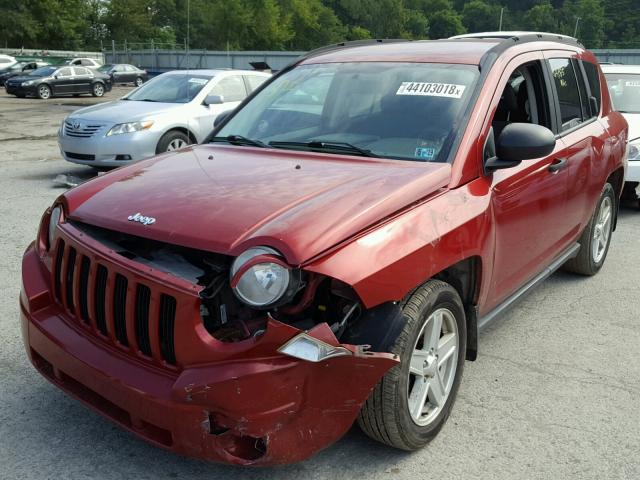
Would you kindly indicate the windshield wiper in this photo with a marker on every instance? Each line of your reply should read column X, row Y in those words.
column 239, row 140
column 326, row 146
column 146, row 100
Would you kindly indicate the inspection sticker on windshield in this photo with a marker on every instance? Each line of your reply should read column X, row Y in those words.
column 199, row 81
column 431, row 89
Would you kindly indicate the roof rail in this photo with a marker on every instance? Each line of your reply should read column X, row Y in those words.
column 351, row 43
column 522, row 37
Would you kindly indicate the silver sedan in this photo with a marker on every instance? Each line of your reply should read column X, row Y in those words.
column 169, row 112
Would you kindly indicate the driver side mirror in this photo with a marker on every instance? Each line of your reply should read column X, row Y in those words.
column 214, row 100
column 518, row 142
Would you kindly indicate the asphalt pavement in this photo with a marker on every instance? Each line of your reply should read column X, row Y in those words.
column 554, row 393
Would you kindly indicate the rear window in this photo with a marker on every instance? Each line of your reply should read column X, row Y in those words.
column 566, row 85
column 624, row 89
column 593, row 78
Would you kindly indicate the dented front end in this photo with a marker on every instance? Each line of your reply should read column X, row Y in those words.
column 149, row 336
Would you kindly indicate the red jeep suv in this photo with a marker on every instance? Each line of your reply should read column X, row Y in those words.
column 332, row 250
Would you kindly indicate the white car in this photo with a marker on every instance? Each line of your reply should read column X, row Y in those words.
column 166, row 113
column 6, row 60
column 624, row 87
column 90, row 63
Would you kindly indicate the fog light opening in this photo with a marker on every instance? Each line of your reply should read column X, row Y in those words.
column 123, row 157
column 214, row 428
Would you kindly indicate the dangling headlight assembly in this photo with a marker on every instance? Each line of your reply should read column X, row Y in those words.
column 261, row 278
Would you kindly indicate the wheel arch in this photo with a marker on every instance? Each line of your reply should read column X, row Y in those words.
column 181, row 129
column 616, row 179
column 465, row 276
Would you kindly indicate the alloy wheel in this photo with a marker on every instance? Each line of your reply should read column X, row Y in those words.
column 98, row 90
column 432, row 367
column 176, row 144
column 602, row 230
column 44, row 92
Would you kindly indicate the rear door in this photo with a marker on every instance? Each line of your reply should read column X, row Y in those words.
column 582, row 135
column 63, row 81
column 82, row 80
column 529, row 200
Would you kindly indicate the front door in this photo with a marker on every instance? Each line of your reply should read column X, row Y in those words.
column 63, row 81
column 529, row 200
column 233, row 91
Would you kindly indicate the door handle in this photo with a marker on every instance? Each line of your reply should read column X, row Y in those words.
column 557, row 165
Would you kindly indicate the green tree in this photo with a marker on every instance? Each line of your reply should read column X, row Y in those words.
column 479, row 16
column 541, row 18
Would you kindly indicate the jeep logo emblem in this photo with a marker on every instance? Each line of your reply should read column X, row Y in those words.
column 138, row 217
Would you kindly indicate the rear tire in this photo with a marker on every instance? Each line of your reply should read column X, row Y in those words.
column 97, row 90
column 596, row 237
column 172, row 140
column 44, row 92
column 412, row 402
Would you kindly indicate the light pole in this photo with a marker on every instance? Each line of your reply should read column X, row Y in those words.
column 575, row 30
column 500, row 26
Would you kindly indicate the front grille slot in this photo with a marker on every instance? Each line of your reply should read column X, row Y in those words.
column 120, row 309
column 83, row 131
column 143, row 300
column 58, row 271
column 99, row 299
column 85, row 267
column 166, row 326
column 68, row 284
column 112, row 302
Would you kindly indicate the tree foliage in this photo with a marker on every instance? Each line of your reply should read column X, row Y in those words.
column 302, row 24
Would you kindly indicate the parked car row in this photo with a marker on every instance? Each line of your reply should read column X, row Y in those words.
column 51, row 81
column 18, row 69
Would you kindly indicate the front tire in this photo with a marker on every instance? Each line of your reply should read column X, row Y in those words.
column 172, row 140
column 97, row 90
column 44, row 92
column 412, row 402
column 595, row 240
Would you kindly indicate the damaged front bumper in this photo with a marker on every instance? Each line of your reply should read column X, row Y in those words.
column 261, row 407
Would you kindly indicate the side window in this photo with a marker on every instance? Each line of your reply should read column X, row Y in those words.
column 75, row 62
column 81, row 71
column 566, row 83
column 231, row 88
column 254, row 81
column 593, row 79
column 582, row 87
column 64, row 72
column 524, row 99
column 86, row 63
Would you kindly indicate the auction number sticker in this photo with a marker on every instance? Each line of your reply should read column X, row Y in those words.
column 431, row 89
column 632, row 83
column 199, row 81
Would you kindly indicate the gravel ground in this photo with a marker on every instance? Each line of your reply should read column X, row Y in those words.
column 554, row 393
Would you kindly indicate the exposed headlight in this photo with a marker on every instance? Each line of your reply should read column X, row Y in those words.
column 54, row 219
column 305, row 347
column 27, row 83
column 129, row 127
column 260, row 278
column 634, row 150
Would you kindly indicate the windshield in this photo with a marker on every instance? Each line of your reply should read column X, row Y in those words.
column 408, row 111
column 171, row 88
column 43, row 72
column 624, row 89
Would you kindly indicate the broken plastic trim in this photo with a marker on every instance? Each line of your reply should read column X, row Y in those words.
column 305, row 347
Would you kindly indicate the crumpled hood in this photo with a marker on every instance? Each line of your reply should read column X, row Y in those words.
column 225, row 199
column 120, row 111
